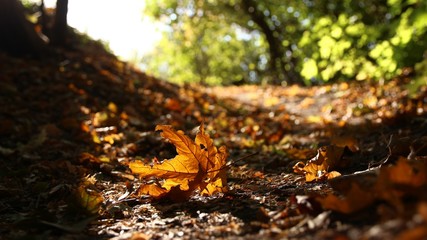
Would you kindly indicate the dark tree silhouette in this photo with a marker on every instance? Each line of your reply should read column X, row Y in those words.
column 18, row 36
column 60, row 26
column 273, row 35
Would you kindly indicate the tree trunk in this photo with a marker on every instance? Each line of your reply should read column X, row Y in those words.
column 276, row 49
column 60, row 26
column 18, row 36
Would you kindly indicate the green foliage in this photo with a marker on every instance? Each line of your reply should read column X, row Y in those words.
column 223, row 42
column 28, row 4
column 336, row 47
column 351, row 45
column 420, row 79
column 205, row 49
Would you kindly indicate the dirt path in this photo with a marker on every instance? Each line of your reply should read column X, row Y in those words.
column 70, row 128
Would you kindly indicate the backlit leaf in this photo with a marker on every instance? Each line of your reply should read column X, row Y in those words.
column 318, row 168
column 199, row 165
column 89, row 199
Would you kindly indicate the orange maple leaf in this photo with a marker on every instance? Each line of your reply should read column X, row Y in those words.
column 199, row 165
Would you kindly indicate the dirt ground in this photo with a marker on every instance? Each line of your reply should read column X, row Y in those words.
column 71, row 123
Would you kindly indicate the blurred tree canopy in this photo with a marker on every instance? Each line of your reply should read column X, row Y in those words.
column 284, row 41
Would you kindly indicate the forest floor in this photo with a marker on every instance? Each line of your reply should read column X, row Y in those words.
column 71, row 123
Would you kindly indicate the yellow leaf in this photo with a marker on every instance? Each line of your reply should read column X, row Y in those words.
column 333, row 174
column 317, row 169
column 89, row 199
column 315, row 119
column 179, row 171
column 112, row 107
column 199, row 165
column 152, row 190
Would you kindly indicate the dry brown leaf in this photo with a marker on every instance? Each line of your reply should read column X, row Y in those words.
column 199, row 165
column 403, row 179
column 404, row 173
column 406, row 178
column 173, row 104
column 318, row 168
column 346, row 141
column 332, row 155
column 356, row 199
column 419, row 232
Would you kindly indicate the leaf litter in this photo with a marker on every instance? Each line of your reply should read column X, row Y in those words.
column 79, row 151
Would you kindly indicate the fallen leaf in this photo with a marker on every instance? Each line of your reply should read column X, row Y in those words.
column 419, row 232
column 152, row 190
column 87, row 157
column 318, row 168
column 404, row 173
column 346, row 141
column 392, row 185
column 306, row 103
column 89, row 199
column 355, row 200
column 406, row 178
column 199, row 166
column 173, row 104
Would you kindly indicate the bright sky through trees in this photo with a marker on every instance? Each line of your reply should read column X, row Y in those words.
column 120, row 23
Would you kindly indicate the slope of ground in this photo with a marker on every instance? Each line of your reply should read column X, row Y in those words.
column 72, row 122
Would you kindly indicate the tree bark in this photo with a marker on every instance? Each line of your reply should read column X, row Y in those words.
column 18, row 36
column 276, row 50
column 60, row 27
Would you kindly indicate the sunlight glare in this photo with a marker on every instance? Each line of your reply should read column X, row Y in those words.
column 129, row 34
